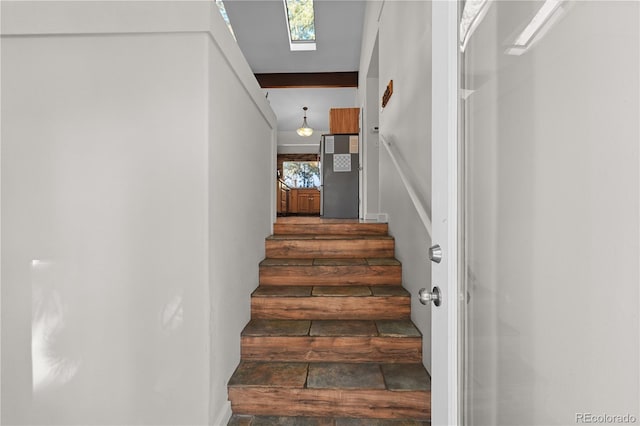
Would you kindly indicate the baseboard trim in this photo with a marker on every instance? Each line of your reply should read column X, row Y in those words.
column 223, row 416
column 379, row 217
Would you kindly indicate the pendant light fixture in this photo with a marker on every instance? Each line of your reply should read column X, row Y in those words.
column 305, row 130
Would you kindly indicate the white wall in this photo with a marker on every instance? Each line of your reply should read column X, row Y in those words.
column 369, row 101
column 242, row 167
column 120, row 257
column 371, row 142
column 371, row 151
column 104, row 177
column 553, row 216
column 289, row 142
column 404, row 32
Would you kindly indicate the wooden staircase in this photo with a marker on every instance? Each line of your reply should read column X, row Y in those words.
column 330, row 341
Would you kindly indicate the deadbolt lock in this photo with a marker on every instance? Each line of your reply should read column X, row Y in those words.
column 435, row 253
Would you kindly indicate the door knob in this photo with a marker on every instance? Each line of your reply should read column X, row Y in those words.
column 435, row 253
column 434, row 296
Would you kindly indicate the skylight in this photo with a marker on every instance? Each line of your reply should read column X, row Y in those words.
column 223, row 12
column 301, row 23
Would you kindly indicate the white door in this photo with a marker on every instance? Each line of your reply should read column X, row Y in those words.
column 551, row 212
column 444, row 353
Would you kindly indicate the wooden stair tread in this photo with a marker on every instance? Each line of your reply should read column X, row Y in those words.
column 329, row 246
column 372, row 390
column 286, row 237
column 333, row 228
column 332, row 349
column 332, row 307
column 389, row 341
column 368, row 403
column 371, row 261
column 334, row 272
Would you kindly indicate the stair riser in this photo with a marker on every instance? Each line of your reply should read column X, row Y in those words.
column 381, row 404
column 331, row 275
column 318, row 308
column 332, row 349
column 329, row 249
column 331, row 229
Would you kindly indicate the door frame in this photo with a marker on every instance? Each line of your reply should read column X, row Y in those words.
column 445, row 395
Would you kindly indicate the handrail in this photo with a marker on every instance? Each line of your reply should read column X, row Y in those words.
column 424, row 217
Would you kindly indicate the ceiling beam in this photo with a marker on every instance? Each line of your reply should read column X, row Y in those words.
column 307, row 79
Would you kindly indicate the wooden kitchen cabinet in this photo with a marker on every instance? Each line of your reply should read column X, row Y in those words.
column 344, row 120
column 293, row 201
column 282, row 198
column 314, row 204
column 305, row 201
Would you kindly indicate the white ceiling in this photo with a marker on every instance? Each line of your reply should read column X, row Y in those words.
column 261, row 30
column 288, row 103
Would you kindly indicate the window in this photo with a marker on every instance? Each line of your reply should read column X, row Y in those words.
column 301, row 174
column 301, row 24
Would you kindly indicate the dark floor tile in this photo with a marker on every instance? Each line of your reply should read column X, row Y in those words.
column 262, row 327
column 343, row 328
column 344, row 376
column 380, row 422
column 383, row 261
column 272, row 374
column 389, row 291
column 336, row 237
column 339, row 262
column 397, row 328
column 238, row 420
column 292, row 421
column 341, row 291
column 286, row 262
column 351, row 237
column 281, row 237
column 401, row 377
column 282, row 291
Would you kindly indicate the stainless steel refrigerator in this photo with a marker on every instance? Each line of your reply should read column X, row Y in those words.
column 340, row 163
